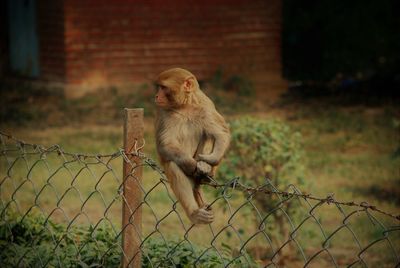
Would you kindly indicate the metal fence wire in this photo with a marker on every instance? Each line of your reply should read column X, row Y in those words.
column 61, row 209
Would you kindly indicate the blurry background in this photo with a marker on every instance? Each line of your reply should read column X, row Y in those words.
column 329, row 69
column 85, row 45
column 320, row 78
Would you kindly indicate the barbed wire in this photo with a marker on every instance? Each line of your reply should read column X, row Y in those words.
column 284, row 204
column 233, row 183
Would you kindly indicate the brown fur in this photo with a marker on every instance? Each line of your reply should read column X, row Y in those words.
column 191, row 138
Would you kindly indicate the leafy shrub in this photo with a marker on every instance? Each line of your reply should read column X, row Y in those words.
column 140, row 96
column 159, row 253
column 231, row 94
column 32, row 241
column 263, row 149
column 238, row 84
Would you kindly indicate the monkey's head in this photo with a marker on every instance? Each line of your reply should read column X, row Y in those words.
column 175, row 88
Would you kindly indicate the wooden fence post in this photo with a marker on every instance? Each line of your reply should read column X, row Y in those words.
column 131, row 212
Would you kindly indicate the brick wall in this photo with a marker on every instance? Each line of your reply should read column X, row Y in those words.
column 93, row 43
column 50, row 21
column 130, row 41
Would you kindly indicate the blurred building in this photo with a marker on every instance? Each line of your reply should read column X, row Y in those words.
column 83, row 44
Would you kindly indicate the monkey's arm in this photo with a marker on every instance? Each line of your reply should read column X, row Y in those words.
column 170, row 151
column 218, row 129
column 188, row 164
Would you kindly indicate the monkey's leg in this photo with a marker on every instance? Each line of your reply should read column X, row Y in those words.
column 198, row 196
column 181, row 186
column 184, row 191
column 205, row 147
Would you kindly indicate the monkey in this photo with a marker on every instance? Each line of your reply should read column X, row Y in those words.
column 191, row 139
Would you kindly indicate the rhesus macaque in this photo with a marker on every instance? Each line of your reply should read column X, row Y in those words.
column 191, row 138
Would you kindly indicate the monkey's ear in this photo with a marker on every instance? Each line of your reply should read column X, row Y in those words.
column 188, row 85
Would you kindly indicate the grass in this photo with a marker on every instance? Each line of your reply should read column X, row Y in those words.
column 350, row 151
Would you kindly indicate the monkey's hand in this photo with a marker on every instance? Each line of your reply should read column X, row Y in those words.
column 202, row 216
column 203, row 170
column 211, row 159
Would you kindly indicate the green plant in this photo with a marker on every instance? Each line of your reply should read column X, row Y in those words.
column 239, row 85
column 160, row 253
column 140, row 96
column 263, row 149
column 217, row 79
column 33, row 241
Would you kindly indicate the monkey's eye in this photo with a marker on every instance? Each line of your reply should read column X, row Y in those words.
column 161, row 87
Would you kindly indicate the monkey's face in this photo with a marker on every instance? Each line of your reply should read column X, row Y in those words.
column 170, row 94
column 175, row 88
column 161, row 98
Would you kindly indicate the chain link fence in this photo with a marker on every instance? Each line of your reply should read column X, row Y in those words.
column 62, row 209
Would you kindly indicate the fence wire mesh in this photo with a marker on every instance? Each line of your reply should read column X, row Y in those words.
column 61, row 209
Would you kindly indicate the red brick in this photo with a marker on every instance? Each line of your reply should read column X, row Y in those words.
column 127, row 39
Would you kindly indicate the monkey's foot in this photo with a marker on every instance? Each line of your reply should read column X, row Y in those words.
column 202, row 216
